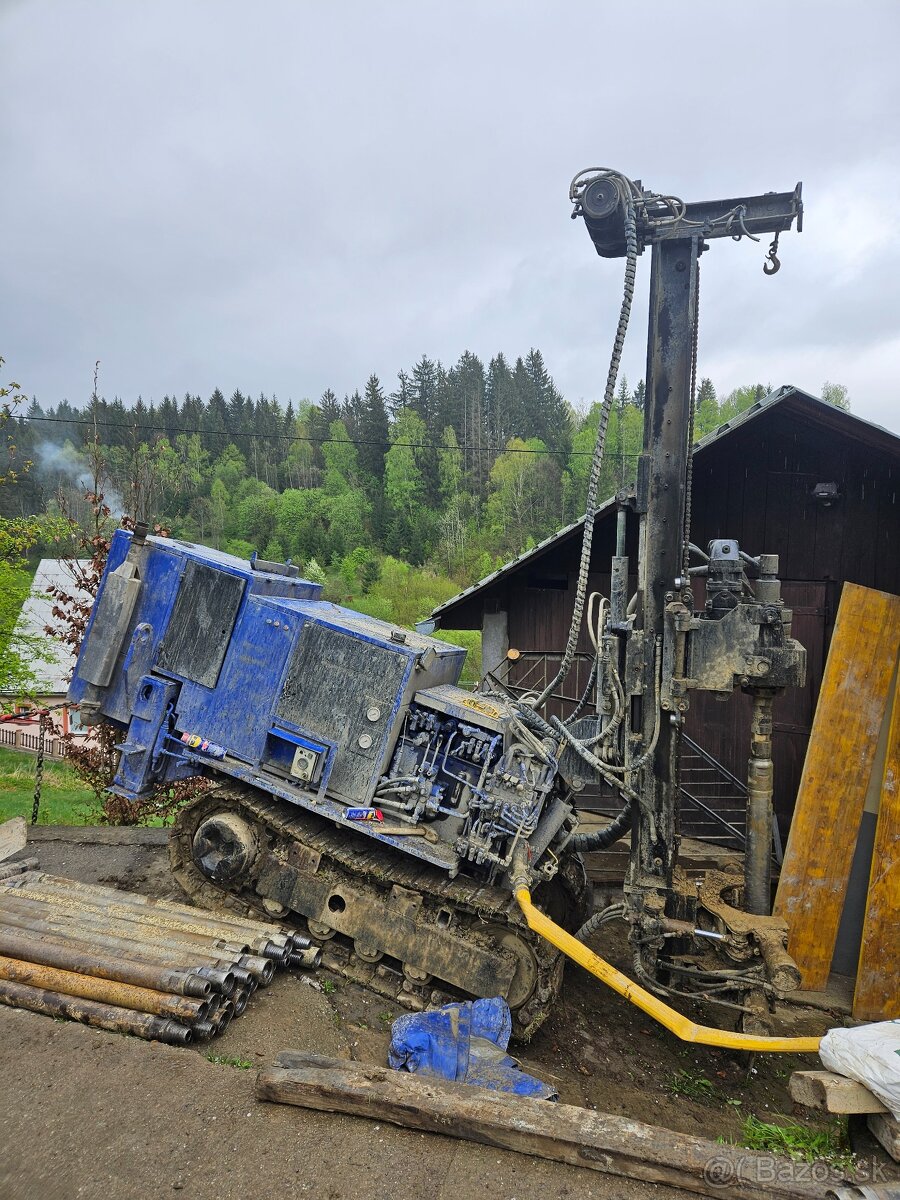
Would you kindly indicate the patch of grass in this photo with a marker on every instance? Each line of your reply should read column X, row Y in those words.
column 692, row 1087
column 386, row 1017
column 799, row 1142
column 229, row 1060
column 64, row 799
column 329, row 986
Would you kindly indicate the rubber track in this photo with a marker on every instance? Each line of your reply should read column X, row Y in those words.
column 364, row 861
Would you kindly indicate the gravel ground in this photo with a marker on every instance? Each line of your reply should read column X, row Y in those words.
column 98, row 1115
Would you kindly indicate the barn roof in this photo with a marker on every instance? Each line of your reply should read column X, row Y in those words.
column 784, row 398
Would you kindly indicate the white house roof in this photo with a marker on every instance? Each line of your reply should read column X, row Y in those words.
column 37, row 614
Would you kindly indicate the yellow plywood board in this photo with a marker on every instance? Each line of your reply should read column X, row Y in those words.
column 842, row 744
column 877, row 995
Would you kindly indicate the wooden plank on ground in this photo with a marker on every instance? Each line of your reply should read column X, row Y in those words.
column 561, row 1132
column 832, row 1093
column 842, row 745
column 12, row 837
column 877, row 996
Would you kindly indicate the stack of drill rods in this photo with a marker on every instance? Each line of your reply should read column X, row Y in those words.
column 226, row 963
column 270, row 941
column 280, row 939
column 120, row 961
column 17, row 868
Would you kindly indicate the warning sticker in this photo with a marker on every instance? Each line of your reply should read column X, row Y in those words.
column 481, row 706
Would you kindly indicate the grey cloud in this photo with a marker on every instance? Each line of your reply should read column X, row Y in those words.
column 287, row 197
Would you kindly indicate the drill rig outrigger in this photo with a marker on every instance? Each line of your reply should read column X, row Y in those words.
column 653, row 649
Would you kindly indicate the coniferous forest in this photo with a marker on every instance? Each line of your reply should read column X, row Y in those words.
column 395, row 496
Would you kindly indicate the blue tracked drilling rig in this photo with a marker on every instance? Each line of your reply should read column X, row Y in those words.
column 365, row 791
column 408, row 822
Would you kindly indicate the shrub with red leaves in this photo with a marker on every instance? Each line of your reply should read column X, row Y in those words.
column 95, row 761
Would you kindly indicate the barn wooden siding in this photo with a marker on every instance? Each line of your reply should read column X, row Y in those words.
column 755, row 484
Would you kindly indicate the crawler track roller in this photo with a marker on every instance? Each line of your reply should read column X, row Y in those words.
column 385, row 920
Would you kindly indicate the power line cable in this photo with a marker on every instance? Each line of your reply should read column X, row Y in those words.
column 294, row 437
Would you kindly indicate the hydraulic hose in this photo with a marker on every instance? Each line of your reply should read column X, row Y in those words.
column 682, row 1027
column 601, row 838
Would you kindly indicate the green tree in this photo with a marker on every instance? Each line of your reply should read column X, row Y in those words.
column 741, row 399
column 373, row 431
column 548, row 415
column 300, row 523
column 19, row 652
column 218, row 511
column 341, row 462
column 524, row 501
column 230, row 468
column 836, row 394
column 410, row 521
column 706, row 418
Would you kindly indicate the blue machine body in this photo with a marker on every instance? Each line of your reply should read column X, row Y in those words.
column 212, row 664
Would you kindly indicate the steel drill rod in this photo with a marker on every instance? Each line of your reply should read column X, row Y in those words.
column 248, row 968
column 128, row 931
column 262, row 969
column 52, row 950
column 307, row 958
column 91, row 1012
column 169, row 941
column 255, row 924
column 223, row 1018
column 218, row 972
column 175, row 929
column 260, row 929
column 121, row 912
column 106, row 991
column 758, row 850
column 240, row 998
column 63, row 909
column 7, row 870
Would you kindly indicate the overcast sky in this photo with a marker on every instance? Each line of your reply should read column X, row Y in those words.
column 287, row 196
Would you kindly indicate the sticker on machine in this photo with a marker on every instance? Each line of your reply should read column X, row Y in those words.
column 480, row 706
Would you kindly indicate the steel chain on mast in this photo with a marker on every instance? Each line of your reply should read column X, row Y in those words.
column 628, row 190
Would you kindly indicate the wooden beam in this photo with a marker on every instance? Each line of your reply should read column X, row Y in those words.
column 832, row 1093
column 877, row 996
column 560, row 1132
column 12, row 837
column 886, row 1129
column 835, row 779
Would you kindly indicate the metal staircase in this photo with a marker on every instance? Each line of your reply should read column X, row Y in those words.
column 713, row 801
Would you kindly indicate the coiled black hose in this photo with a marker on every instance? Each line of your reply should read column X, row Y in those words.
column 600, row 839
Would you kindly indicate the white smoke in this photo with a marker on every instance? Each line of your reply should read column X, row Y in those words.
column 63, row 463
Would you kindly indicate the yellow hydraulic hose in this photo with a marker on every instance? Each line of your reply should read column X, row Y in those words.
column 687, row 1030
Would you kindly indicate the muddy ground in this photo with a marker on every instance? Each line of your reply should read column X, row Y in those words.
column 90, row 1114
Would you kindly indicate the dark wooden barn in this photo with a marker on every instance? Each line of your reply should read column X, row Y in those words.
column 791, row 476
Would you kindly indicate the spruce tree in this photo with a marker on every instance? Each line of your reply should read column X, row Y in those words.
column 373, row 431
column 329, row 407
column 707, row 414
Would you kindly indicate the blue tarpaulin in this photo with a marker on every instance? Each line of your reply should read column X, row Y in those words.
column 465, row 1042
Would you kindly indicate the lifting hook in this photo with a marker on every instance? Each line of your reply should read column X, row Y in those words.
column 772, row 263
